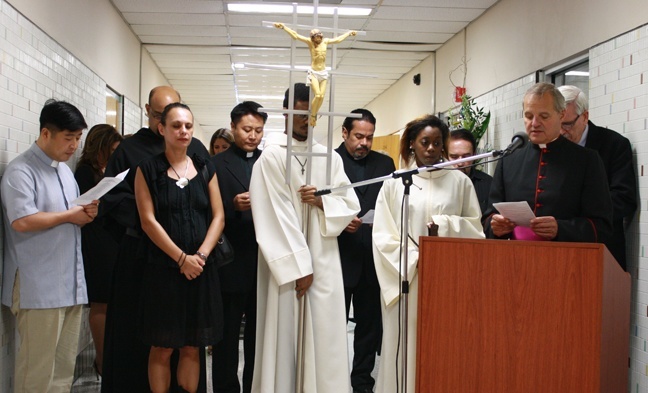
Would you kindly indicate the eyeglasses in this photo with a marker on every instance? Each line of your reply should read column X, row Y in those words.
column 569, row 124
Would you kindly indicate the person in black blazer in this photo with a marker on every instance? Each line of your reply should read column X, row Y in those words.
column 616, row 153
column 564, row 184
column 238, row 279
column 360, row 281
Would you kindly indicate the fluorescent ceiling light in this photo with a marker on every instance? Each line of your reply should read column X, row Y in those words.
column 259, row 97
column 242, row 66
column 577, row 73
column 301, row 9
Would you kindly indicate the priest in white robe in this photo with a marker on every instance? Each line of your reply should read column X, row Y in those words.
column 287, row 262
column 446, row 198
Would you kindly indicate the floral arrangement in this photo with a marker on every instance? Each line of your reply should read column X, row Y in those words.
column 471, row 117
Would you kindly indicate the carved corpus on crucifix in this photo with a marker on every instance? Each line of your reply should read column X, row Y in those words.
column 317, row 73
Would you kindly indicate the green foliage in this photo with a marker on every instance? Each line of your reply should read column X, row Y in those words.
column 471, row 117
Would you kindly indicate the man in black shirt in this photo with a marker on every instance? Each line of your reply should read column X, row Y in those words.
column 358, row 270
column 563, row 183
column 239, row 278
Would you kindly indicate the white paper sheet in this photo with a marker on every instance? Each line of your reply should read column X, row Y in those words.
column 368, row 218
column 518, row 212
column 106, row 184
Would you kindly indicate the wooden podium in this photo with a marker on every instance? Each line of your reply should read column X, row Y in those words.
column 520, row 317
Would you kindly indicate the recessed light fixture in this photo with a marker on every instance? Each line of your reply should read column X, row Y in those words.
column 301, row 9
column 577, row 73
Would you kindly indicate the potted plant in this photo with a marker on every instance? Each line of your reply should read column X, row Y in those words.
column 471, row 117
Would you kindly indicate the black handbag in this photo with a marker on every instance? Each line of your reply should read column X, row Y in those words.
column 223, row 252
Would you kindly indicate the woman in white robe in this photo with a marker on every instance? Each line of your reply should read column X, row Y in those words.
column 444, row 197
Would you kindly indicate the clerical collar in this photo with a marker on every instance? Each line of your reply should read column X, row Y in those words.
column 40, row 153
column 544, row 145
column 242, row 153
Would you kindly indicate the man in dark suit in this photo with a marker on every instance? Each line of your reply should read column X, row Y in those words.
column 564, row 184
column 616, row 153
column 238, row 279
column 360, row 281
column 462, row 144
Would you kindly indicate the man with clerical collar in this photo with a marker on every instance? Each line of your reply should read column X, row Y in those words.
column 563, row 183
column 43, row 278
column 239, row 278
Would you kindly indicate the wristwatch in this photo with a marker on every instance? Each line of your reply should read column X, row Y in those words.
column 202, row 256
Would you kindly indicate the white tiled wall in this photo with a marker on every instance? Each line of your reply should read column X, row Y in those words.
column 34, row 68
column 619, row 100
column 133, row 116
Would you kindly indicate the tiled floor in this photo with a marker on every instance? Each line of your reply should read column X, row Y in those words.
column 88, row 382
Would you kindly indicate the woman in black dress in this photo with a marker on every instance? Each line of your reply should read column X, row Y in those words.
column 181, row 211
column 99, row 248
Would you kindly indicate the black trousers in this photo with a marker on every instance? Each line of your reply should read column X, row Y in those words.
column 368, row 331
column 225, row 355
column 125, row 356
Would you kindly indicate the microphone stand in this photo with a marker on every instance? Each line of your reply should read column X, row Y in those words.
column 406, row 177
column 407, row 183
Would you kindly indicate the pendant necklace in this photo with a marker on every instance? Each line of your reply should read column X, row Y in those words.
column 302, row 165
column 182, row 181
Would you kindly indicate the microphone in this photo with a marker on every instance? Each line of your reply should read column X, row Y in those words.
column 518, row 140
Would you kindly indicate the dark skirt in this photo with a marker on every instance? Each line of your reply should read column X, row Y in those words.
column 99, row 258
column 176, row 312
